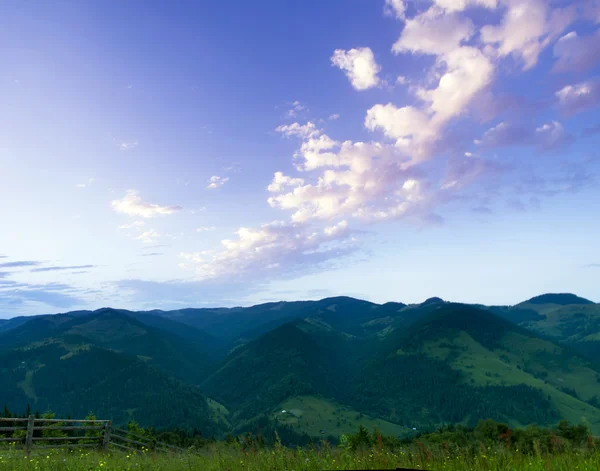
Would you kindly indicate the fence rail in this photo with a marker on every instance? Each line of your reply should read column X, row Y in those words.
column 34, row 436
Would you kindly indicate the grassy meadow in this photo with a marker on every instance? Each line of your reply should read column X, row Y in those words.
column 230, row 457
column 217, row 459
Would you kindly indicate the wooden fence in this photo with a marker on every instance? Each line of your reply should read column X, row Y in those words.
column 35, row 434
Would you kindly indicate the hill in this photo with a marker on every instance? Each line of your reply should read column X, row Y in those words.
column 562, row 299
column 462, row 363
column 72, row 377
column 286, row 362
column 180, row 350
column 575, row 325
column 348, row 361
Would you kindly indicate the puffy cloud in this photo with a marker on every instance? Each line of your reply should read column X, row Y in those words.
column 434, row 32
column 576, row 53
column 468, row 72
column 272, row 249
column 280, row 181
column 334, row 117
column 299, row 130
column 527, row 27
column 359, row 66
column 133, row 205
column 580, row 96
column 362, row 180
column 215, row 182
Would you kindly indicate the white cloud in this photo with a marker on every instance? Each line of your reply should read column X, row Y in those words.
column 148, row 237
column 336, row 229
column 300, row 130
column 395, row 8
column 434, row 32
column 216, row 182
column 280, row 182
column 527, row 27
column 133, row 205
column 547, row 137
column 128, row 145
column 276, row 247
column 361, row 180
column 460, row 5
column 334, row 117
column 401, row 80
column 468, row 72
column 401, row 124
column 296, row 108
column 576, row 53
column 205, row 228
column 551, row 136
column 359, row 66
column 580, row 96
column 135, row 224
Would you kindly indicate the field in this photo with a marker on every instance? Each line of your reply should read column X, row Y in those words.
column 312, row 414
column 222, row 457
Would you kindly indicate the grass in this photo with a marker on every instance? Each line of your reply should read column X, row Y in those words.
column 221, row 457
column 312, row 414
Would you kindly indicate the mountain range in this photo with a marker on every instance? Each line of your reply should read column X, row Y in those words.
column 312, row 367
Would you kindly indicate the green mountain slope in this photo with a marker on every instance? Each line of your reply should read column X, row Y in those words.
column 565, row 318
column 283, row 363
column 461, row 363
column 184, row 354
column 72, row 377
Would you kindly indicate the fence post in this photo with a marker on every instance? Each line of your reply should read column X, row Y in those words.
column 106, row 435
column 29, row 437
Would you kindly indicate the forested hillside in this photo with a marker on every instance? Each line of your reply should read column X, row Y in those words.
column 330, row 365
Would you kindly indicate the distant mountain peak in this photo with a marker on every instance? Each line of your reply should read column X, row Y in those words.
column 562, row 299
column 434, row 300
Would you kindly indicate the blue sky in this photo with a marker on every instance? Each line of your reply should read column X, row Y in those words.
column 199, row 154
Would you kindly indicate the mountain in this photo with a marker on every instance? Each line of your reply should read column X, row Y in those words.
column 306, row 366
column 461, row 363
column 286, row 362
column 565, row 318
column 179, row 350
column 72, row 377
column 563, row 299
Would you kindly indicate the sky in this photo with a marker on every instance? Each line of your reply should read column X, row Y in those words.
column 160, row 155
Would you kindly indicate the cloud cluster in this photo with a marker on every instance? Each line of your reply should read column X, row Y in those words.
column 273, row 249
column 215, row 182
column 341, row 182
column 133, row 205
column 547, row 137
